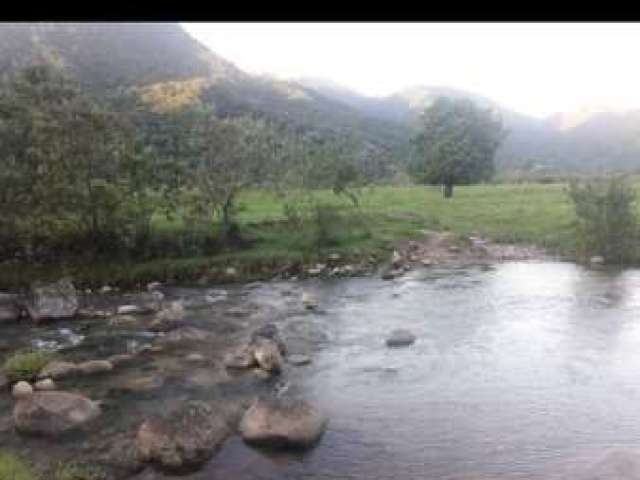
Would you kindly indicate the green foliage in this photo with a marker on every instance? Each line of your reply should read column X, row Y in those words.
column 456, row 144
column 77, row 471
column 606, row 222
column 13, row 468
column 26, row 365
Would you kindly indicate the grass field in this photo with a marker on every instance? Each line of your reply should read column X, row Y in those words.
column 527, row 213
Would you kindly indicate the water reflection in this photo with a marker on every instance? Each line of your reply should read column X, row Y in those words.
column 516, row 367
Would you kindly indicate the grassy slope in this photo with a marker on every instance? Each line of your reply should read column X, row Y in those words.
column 531, row 213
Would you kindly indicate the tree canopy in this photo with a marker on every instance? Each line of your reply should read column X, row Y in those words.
column 456, row 143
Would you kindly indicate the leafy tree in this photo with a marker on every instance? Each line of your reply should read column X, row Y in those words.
column 456, row 144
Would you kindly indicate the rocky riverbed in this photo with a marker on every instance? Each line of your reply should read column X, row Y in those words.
column 451, row 371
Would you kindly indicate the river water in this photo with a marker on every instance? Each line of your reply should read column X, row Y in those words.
column 523, row 370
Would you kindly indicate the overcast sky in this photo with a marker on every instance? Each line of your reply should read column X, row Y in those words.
column 538, row 69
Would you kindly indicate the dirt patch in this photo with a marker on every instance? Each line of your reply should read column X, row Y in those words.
column 444, row 248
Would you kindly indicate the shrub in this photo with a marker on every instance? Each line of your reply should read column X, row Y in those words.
column 12, row 468
column 606, row 224
column 26, row 365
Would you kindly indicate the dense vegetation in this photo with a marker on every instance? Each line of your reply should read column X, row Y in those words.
column 178, row 164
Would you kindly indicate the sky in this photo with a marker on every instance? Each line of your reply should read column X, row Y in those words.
column 534, row 68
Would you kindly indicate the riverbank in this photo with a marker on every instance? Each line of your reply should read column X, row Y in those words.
column 522, row 214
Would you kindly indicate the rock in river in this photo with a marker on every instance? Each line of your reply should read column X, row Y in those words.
column 400, row 338
column 282, row 423
column 52, row 413
column 9, row 308
column 299, row 360
column 21, row 389
column 183, row 440
column 52, row 301
column 58, row 369
column 267, row 355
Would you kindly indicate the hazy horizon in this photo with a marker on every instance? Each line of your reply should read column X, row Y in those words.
column 537, row 69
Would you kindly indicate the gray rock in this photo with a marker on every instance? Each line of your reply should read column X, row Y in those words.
column 52, row 413
column 282, row 423
column 309, row 301
column 58, row 369
column 45, row 384
column 9, row 307
column 396, row 259
column 299, row 360
column 242, row 358
column 183, row 440
column 21, row 389
column 95, row 366
column 400, row 338
column 270, row 331
column 129, row 310
column 184, row 336
column 195, row 358
column 267, row 355
column 52, row 301
column 133, row 384
column 121, row 359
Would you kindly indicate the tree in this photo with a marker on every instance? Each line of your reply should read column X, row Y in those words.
column 456, row 144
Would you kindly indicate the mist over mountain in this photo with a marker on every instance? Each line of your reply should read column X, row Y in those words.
column 170, row 69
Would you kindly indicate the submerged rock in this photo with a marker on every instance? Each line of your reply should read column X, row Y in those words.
column 184, row 335
column 282, row 423
column 52, row 413
column 271, row 332
column 400, row 338
column 183, row 440
column 168, row 318
column 52, row 301
column 299, row 360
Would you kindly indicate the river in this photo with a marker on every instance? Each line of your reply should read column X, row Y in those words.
column 521, row 370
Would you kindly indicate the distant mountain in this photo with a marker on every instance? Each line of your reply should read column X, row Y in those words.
column 170, row 69
column 586, row 140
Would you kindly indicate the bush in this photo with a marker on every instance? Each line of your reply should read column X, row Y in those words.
column 26, row 365
column 606, row 224
column 12, row 468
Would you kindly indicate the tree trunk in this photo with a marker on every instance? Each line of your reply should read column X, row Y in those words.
column 447, row 190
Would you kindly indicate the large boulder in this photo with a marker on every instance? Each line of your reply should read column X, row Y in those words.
column 53, row 413
column 9, row 307
column 52, row 301
column 183, row 440
column 282, row 423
